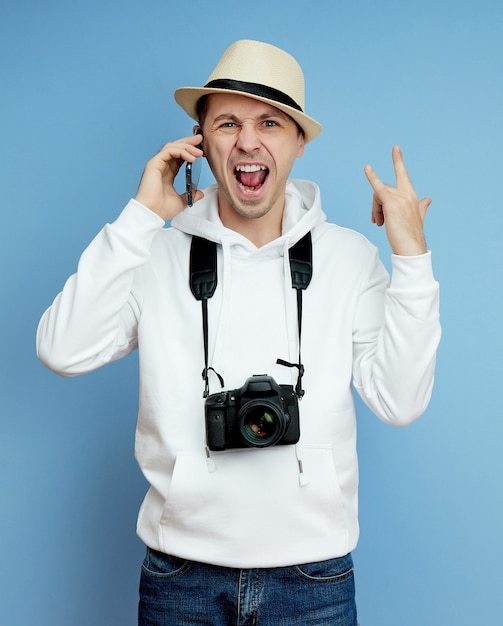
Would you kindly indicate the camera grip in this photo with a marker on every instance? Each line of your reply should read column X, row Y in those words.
column 215, row 430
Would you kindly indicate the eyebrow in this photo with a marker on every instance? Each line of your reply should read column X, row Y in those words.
column 264, row 116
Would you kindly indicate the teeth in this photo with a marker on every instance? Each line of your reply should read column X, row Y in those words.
column 250, row 168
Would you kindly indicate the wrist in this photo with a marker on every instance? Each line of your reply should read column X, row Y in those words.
column 409, row 247
column 410, row 250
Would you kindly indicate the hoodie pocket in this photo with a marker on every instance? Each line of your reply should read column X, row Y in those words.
column 252, row 508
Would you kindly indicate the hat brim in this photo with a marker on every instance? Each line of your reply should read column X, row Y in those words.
column 188, row 97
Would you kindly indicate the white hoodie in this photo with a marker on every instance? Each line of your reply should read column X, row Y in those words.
column 249, row 508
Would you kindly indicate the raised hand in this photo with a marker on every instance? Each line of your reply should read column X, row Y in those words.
column 399, row 209
column 156, row 190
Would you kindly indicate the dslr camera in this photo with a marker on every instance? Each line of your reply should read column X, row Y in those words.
column 259, row 414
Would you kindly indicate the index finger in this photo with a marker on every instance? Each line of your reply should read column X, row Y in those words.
column 181, row 150
column 375, row 182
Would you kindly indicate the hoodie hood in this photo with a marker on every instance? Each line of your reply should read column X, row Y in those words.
column 302, row 213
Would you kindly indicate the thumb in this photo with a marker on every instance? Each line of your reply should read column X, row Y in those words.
column 424, row 205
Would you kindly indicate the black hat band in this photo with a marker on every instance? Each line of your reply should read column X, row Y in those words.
column 262, row 91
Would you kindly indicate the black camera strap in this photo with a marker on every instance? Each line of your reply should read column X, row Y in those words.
column 203, row 283
column 301, row 269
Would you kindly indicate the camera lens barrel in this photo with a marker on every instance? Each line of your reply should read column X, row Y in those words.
column 261, row 424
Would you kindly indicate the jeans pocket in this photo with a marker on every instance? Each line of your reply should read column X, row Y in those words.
column 163, row 565
column 331, row 571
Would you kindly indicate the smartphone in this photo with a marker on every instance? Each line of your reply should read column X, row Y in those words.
column 192, row 174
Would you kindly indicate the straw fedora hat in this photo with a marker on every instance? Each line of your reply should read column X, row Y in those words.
column 260, row 71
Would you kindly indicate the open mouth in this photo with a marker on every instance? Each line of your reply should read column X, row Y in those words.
column 251, row 177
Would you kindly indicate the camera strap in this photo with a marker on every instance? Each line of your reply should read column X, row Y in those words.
column 301, row 270
column 203, row 283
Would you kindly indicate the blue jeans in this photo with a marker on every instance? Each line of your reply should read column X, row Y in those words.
column 176, row 592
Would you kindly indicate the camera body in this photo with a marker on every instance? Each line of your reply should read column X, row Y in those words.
column 259, row 414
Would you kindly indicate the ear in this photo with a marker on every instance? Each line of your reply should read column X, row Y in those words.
column 302, row 145
column 196, row 130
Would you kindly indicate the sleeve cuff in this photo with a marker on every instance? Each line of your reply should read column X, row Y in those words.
column 412, row 272
column 138, row 212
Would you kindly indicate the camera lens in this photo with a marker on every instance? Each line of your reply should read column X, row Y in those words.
column 260, row 423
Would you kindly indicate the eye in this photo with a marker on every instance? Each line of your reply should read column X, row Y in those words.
column 228, row 127
column 270, row 123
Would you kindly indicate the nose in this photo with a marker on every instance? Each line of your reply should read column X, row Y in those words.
column 248, row 139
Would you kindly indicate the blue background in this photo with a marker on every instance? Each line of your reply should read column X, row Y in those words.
column 85, row 99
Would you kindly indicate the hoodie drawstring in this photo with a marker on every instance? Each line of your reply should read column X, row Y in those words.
column 303, row 479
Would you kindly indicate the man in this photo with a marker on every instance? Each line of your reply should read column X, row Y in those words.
column 241, row 532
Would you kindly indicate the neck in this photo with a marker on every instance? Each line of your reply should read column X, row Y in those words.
column 258, row 230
